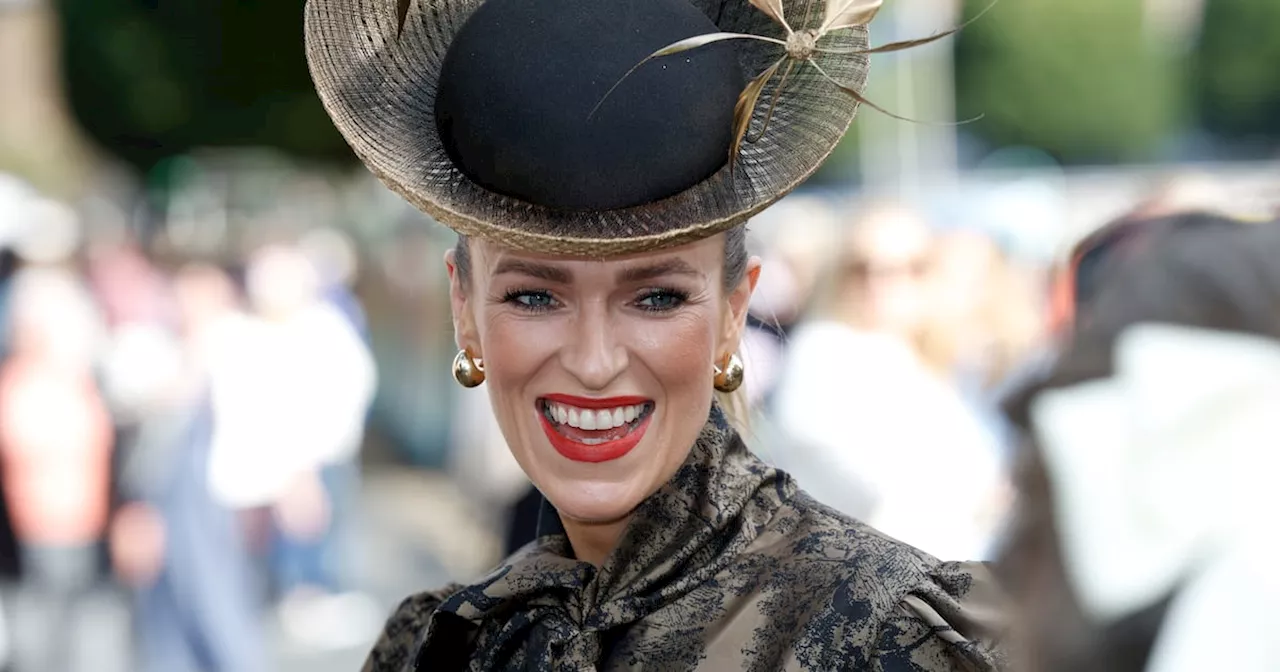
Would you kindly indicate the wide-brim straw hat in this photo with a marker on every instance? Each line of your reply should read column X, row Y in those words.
column 378, row 83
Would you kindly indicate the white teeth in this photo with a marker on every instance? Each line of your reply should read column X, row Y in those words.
column 594, row 420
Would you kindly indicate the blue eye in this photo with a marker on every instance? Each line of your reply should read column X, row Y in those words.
column 662, row 300
column 531, row 300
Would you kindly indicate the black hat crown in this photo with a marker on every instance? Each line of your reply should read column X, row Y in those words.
column 519, row 88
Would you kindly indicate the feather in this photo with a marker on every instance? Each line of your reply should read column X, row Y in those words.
column 853, row 93
column 745, row 108
column 679, row 47
column 774, row 9
column 703, row 40
column 848, row 13
column 908, row 44
column 773, row 103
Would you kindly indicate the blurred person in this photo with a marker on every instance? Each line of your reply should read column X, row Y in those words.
column 289, row 410
column 1078, row 278
column 1156, row 213
column 181, row 550
column 983, row 318
column 336, row 261
column 55, row 443
column 984, row 323
column 141, row 353
column 879, row 433
column 599, row 288
column 1144, row 539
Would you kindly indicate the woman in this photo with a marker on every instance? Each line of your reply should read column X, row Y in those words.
column 599, row 291
column 1141, row 523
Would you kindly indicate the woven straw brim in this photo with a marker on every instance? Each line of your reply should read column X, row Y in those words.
column 380, row 91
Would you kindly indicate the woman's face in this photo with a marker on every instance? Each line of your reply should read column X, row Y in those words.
column 599, row 372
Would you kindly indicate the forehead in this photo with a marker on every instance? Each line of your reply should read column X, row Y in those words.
column 703, row 257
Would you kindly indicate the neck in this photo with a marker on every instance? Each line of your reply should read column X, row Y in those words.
column 593, row 542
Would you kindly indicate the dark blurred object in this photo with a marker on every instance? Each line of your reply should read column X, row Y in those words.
column 10, row 565
column 1236, row 83
column 10, row 559
column 1094, row 257
column 522, row 521
column 1196, row 270
column 149, row 80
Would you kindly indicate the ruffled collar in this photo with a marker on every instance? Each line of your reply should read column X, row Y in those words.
column 543, row 609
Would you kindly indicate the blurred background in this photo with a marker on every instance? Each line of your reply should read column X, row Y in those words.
column 184, row 235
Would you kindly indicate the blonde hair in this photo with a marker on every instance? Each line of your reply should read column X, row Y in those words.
column 737, row 410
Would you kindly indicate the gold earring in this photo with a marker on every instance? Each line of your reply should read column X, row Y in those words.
column 466, row 370
column 729, row 377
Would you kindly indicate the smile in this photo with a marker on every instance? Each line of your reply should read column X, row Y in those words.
column 594, row 430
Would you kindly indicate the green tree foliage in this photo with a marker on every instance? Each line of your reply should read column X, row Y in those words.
column 150, row 79
column 1076, row 78
column 1237, row 83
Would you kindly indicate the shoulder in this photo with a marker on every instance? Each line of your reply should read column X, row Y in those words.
column 397, row 645
column 881, row 604
column 950, row 624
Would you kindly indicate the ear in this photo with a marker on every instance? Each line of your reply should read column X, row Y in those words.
column 465, row 333
column 739, row 302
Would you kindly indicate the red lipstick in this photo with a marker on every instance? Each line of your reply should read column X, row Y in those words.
column 594, row 452
column 595, row 403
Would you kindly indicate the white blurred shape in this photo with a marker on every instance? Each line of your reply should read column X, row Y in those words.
column 51, row 232
column 1161, row 473
column 142, row 363
column 15, row 199
column 332, row 253
column 281, row 280
column 53, row 314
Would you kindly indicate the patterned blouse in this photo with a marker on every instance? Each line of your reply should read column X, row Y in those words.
column 727, row 567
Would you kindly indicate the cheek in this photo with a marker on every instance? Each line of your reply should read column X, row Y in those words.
column 678, row 351
column 515, row 349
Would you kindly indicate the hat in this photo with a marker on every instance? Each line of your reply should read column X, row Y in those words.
column 540, row 123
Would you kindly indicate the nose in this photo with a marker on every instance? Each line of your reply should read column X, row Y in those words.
column 594, row 355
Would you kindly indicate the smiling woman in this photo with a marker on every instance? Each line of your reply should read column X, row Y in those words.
column 599, row 291
column 570, row 345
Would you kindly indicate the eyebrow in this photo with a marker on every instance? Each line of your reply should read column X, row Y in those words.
column 662, row 268
column 562, row 276
column 546, row 272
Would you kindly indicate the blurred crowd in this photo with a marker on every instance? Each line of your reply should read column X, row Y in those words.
column 183, row 429
column 188, row 433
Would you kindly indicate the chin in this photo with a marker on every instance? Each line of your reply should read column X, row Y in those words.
column 594, row 503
